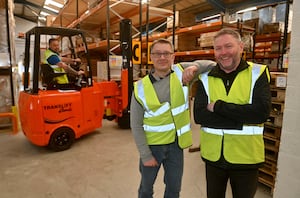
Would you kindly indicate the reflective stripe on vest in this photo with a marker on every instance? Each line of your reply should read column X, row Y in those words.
column 185, row 106
column 160, row 128
column 247, row 130
column 183, row 130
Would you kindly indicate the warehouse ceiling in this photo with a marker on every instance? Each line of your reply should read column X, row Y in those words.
column 35, row 10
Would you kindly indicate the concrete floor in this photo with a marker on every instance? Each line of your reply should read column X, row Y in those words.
column 103, row 164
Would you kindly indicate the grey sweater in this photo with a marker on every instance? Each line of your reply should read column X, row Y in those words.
column 162, row 88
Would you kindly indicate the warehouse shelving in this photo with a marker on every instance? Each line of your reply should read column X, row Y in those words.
column 263, row 47
column 93, row 19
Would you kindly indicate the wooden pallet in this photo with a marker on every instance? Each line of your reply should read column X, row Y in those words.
column 275, row 120
column 278, row 95
column 270, row 166
column 266, row 184
column 277, row 108
column 267, row 178
column 271, row 155
column 272, row 131
column 271, row 143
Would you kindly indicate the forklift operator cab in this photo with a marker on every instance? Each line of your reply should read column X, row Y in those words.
column 54, row 114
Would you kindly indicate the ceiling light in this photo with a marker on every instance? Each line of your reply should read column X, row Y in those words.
column 246, row 10
column 52, row 9
column 44, row 13
column 42, row 18
column 143, row 1
column 54, row 3
column 210, row 17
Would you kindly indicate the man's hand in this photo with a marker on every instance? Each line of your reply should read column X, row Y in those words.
column 188, row 74
column 151, row 163
column 80, row 72
column 210, row 107
column 78, row 60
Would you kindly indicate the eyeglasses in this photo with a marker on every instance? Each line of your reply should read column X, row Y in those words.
column 165, row 54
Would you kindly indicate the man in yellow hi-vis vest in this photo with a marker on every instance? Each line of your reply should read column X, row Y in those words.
column 160, row 118
column 232, row 103
column 60, row 64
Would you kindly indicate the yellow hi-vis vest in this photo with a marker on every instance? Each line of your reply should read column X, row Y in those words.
column 63, row 79
column 244, row 146
column 162, row 121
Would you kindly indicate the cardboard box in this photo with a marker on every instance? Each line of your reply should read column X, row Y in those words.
column 115, row 61
column 255, row 23
column 279, row 79
column 102, row 72
column 273, row 27
column 206, row 40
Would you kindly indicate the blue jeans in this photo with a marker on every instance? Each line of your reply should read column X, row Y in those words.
column 171, row 157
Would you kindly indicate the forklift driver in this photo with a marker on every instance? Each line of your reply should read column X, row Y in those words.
column 60, row 64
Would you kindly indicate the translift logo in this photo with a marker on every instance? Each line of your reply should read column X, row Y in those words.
column 60, row 107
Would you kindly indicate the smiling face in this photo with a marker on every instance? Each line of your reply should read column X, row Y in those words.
column 54, row 46
column 162, row 56
column 228, row 50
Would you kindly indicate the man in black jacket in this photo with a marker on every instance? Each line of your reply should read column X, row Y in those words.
column 231, row 104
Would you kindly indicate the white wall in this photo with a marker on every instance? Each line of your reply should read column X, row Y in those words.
column 288, row 174
column 23, row 26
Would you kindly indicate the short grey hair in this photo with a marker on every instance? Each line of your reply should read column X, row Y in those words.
column 162, row 41
column 228, row 31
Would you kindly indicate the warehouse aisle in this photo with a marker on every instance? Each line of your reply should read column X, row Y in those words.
column 103, row 164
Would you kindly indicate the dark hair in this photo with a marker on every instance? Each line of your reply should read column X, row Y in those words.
column 52, row 40
column 229, row 31
column 162, row 41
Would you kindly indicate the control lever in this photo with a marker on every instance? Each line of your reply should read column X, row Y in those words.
column 78, row 83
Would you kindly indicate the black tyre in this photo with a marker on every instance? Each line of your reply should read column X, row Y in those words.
column 124, row 121
column 61, row 139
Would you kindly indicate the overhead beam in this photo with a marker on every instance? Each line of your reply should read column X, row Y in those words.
column 193, row 9
column 168, row 3
column 232, row 8
column 33, row 19
column 207, row 14
column 24, row 2
column 246, row 4
column 217, row 4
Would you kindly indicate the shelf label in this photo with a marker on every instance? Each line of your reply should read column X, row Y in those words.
column 136, row 52
column 149, row 59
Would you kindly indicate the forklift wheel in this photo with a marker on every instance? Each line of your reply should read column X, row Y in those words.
column 61, row 139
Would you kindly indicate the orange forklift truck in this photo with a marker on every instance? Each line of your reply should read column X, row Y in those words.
column 55, row 115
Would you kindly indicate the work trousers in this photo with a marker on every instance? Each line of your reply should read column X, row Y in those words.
column 243, row 182
column 171, row 158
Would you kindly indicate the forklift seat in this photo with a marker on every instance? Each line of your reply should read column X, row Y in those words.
column 48, row 74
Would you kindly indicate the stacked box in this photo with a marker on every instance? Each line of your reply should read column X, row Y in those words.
column 187, row 43
column 278, row 79
column 115, row 71
column 186, row 19
column 273, row 27
column 276, row 47
column 254, row 23
column 115, row 63
column 206, row 40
